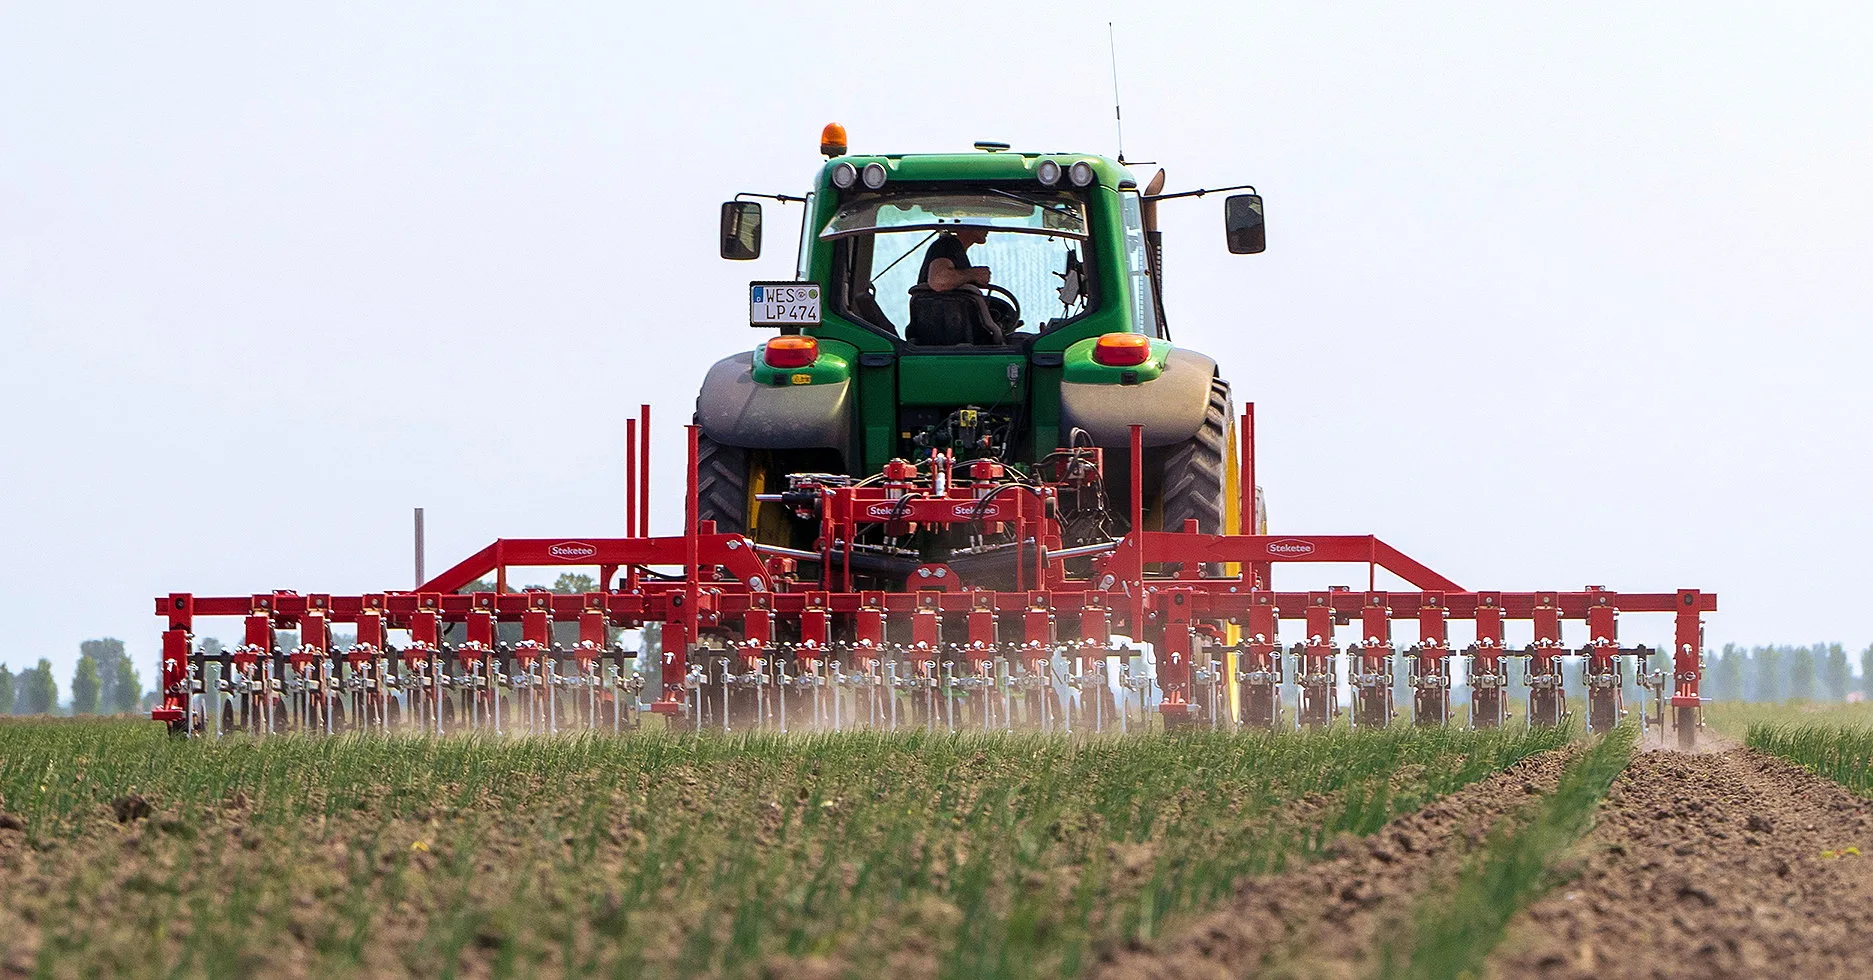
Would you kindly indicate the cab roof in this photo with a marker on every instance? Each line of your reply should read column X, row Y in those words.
column 979, row 165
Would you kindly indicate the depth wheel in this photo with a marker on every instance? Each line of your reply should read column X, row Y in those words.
column 1602, row 711
column 1182, row 722
column 1314, row 711
column 1260, row 705
column 1684, row 718
column 1544, row 709
column 1485, row 709
column 1375, row 707
column 1432, row 709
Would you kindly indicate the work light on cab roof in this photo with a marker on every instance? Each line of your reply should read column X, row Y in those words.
column 973, row 483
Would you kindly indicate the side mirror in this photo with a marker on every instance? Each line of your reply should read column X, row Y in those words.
column 741, row 230
column 1242, row 224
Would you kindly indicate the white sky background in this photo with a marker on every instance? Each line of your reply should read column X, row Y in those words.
column 1553, row 297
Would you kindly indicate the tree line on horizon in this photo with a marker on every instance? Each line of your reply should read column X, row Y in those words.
column 104, row 682
column 1818, row 672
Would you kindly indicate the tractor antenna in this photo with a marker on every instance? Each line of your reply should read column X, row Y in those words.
column 1118, row 118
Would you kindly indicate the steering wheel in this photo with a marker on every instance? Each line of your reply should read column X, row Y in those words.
column 992, row 288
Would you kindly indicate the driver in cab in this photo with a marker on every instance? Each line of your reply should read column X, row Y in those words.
column 946, row 264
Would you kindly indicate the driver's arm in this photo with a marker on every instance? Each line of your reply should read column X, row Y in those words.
column 944, row 276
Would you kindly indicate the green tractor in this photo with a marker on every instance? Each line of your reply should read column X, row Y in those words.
column 993, row 306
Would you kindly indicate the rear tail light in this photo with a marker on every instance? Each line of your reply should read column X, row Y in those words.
column 1121, row 349
column 791, row 351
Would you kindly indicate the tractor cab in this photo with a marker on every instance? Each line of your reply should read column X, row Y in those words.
column 994, row 306
column 1057, row 233
column 1029, row 251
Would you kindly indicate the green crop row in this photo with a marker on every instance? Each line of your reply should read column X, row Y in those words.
column 855, row 853
column 1843, row 754
column 1453, row 931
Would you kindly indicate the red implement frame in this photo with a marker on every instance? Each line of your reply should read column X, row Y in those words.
column 1147, row 587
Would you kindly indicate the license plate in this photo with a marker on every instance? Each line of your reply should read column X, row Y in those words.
column 783, row 304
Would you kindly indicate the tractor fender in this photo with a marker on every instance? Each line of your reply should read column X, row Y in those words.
column 1171, row 406
column 735, row 411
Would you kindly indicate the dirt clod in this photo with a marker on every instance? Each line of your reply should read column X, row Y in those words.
column 130, row 808
column 11, row 822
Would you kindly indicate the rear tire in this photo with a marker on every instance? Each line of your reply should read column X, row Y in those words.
column 1196, row 472
column 722, row 485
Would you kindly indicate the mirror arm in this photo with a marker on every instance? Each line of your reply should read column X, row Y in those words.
column 783, row 198
column 1202, row 191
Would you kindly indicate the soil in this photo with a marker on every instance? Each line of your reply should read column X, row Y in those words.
column 1709, row 741
column 1733, row 864
column 552, row 872
column 1729, row 864
column 1328, row 919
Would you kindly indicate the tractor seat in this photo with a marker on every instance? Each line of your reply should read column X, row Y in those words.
column 950, row 319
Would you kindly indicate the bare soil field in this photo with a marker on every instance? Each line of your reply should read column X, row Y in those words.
column 1736, row 864
column 1726, row 863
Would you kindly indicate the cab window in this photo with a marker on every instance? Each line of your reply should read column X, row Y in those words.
column 1035, row 248
column 1138, row 265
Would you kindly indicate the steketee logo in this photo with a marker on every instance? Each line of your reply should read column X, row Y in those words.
column 1290, row 548
column 572, row 550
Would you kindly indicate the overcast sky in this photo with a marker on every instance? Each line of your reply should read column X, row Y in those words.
column 1555, row 295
